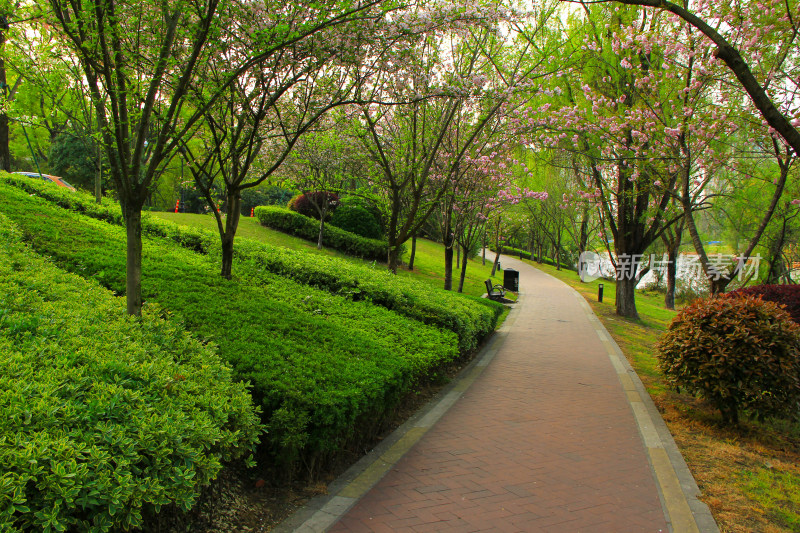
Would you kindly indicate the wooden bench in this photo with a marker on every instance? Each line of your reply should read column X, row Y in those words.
column 494, row 292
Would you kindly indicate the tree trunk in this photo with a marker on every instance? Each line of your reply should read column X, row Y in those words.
column 484, row 248
column 5, row 152
column 448, row 267
column 496, row 261
column 231, row 225
column 413, row 252
column 447, row 239
column 777, row 267
column 98, row 181
column 558, row 252
column 393, row 259
column 133, row 266
column 584, row 237
column 463, row 271
column 626, row 297
column 672, row 269
column 321, row 229
column 458, row 257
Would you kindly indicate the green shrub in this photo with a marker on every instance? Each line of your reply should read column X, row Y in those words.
column 319, row 363
column 332, row 237
column 470, row 318
column 358, row 220
column 104, row 419
column 738, row 353
column 522, row 254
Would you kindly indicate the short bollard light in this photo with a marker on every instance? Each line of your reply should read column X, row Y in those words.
column 600, row 292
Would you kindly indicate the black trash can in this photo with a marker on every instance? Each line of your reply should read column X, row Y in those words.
column 511, row 280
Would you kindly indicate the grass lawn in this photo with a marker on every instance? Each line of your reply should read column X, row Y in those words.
column 428, row 261
column 749, row 477
column 249, row 228
column 429, row 266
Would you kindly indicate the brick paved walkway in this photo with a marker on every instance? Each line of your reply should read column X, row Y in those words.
column 544, row 439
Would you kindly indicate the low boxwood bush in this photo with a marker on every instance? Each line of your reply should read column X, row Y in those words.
column 108, row 210
column 469, row 318
column 104, row 419
column 332, row 237
column 787, row 296
column 321, row 365
column 741, row 354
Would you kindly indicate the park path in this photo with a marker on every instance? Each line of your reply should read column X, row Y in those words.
column 549, row 430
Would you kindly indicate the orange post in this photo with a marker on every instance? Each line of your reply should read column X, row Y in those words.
column 252, row 211
column 177, row 204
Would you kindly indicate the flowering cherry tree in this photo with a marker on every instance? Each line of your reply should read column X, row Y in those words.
column 743, row 34
column 640, row 120
column 139, row 60
column 436, row 104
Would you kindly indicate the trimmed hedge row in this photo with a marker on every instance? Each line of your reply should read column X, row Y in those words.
column 104, row 419
column 196, row 239
column 508, row 250
column 469, row 318
column 307, row 228
column 320, row 364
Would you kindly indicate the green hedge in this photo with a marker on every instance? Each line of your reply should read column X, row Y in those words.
column 320, row 363
column 469, row 318
column 332, row 237
column 104, row 419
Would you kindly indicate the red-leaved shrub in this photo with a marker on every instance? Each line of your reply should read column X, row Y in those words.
column 310, row 204
column 741, row 354
column 787, row 295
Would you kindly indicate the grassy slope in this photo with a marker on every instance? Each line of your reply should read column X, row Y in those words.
column 749, row 478
column 347, row 357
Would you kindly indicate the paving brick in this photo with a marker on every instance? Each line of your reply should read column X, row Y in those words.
column 543, row 440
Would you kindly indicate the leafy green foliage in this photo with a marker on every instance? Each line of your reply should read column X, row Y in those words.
column 320, row 363
column 74, row 158
column 522, row 254
column 105, row 418
column 738, row 353
column 267, row 195
column 358, row 220
column 333, row 237
column 508, row 250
